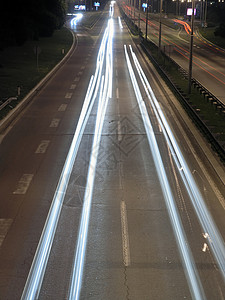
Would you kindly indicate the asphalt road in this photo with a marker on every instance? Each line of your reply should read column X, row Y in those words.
column 132, row 249
column 208, row 60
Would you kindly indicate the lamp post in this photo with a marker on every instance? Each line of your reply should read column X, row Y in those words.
column 146, row 29
column 191, row 47
column 139, row 18
column 160, row 25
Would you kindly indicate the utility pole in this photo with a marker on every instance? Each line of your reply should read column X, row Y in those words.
column 160, row 25
column 191, row 47
column 139, row 17
column 146, row 30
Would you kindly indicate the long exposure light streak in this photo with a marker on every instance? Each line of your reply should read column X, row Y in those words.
column 105, row 93
column 188, row 262
column 37, row 271
column 215, row 240
column 120, row 23
column 179, row 50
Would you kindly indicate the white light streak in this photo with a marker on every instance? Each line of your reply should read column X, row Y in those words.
column 37, row 271
column 120, row 23
column 190, row 269
column 77, row 17
column 105, row 93
column 216, row 242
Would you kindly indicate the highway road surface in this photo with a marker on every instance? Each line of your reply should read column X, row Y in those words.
column 107, row 189
column 208, row 59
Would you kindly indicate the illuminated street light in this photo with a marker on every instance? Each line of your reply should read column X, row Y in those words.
column 191, row 47
column 160, row 25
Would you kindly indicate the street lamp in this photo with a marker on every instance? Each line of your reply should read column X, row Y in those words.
column 160, row 25
column 191, row 47
column 146, row 31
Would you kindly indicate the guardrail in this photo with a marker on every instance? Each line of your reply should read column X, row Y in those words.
column 193, row 113
column 5, row 103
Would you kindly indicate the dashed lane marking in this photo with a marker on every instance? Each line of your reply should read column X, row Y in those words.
column 68, row 95
column 4, row 228
column 54, row 123
column 73, row 86
column 125, row 235
column 42, row 147
column 62, row 107
column 117, row 93
column 23, row 184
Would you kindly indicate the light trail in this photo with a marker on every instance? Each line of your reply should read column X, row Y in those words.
column 185, row 252
column 77, row 17
column 105, row 94
column 209, row 227
column 120, row 23
column 179, row 50
column 38, row 267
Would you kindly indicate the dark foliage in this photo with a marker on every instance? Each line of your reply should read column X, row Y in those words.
column 220, row 31
column 29, row 19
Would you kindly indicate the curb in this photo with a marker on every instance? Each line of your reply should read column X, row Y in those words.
column 11, row 116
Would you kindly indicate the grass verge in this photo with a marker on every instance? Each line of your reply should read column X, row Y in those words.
column 20, row 66
column 205, row 111
column 208, row 33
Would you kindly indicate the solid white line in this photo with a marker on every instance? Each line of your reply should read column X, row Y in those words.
column 23, row 184
column 2, row 136
column 125, row 234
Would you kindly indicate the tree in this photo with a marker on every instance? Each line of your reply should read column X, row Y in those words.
column 29, row 19
column 220, row 31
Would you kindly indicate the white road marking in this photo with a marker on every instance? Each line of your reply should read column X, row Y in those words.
column 2, row 136
column 120, row 137
column 160, row 128
column 82, row 68
column 77, row 79
column 117, row 93
column 62, row 107
column 68, row 95
column 4, row 228
column 73, row 86
column 125, row 235
column 205, row 247
column 23, row 184
column 80, row 73
column 54, row 123
column 42, row 147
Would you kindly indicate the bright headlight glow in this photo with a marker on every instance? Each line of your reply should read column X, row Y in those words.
column 185, row 252
column 215, row 241
column 77, row 17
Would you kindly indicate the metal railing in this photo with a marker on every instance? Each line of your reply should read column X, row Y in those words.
column 7, row 102
column 193, row 113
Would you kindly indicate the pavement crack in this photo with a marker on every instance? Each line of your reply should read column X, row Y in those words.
column 126, row 283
